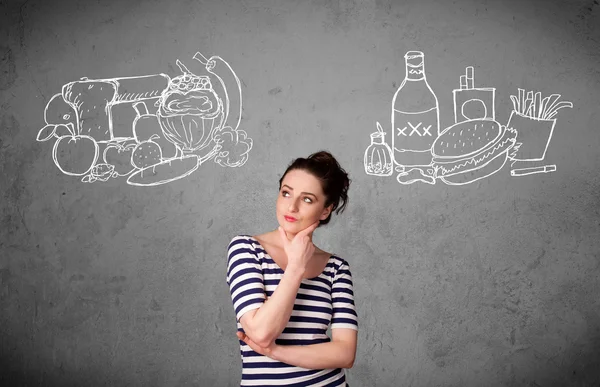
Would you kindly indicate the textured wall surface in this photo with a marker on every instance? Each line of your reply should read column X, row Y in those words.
column 494, row 283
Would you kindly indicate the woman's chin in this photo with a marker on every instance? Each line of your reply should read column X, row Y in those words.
column 290, row 227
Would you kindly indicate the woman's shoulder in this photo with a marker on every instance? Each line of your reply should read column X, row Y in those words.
column 241, row 247
column 241, row 241
column 338, row 262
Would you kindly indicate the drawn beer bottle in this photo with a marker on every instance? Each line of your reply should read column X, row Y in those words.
column 415, row 115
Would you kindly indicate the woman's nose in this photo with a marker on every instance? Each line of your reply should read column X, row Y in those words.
column 293, row 207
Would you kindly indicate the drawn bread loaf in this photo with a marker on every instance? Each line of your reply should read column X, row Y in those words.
column 92, row 100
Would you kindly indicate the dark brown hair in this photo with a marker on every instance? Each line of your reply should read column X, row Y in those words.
column 334, row 179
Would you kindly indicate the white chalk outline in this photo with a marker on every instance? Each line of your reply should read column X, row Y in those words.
column 467, row 86
column 533, row 170
column 530, row 106
column 73, row 116
column 412, row 175
column 415, row 72
column 498, row 146
column 531, row 112
column 378, row 159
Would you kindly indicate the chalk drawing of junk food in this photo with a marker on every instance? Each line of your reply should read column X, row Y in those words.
column 472, row 102
column 471, row 150
column 476, row 146
column 415, row 125
column 152, row 129
column 534, row 119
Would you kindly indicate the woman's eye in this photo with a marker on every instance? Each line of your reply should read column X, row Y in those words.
column 308, row 200
column 284, row 193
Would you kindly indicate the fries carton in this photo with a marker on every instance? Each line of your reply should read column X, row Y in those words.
column 533, row 117
column 533, row 136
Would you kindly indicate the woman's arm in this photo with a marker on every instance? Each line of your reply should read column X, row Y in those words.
column 338, row 353
column 266, row 323
column 341, row 350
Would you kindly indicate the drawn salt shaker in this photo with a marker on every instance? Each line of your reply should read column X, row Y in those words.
column 415, row 115
column 378, row 156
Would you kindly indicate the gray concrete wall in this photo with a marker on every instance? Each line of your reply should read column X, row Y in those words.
column 494, row 283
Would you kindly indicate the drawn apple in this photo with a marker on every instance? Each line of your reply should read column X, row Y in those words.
column 146, row 153
column 75, row 155
column 119, row 155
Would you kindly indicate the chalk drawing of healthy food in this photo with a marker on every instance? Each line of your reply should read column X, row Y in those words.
column 152, row 129
column 476, row 146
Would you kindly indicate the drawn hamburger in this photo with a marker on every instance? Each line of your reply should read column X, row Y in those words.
column 471, row 150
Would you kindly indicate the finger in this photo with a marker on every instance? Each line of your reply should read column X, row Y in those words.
column 255, row 347
column 246, row 340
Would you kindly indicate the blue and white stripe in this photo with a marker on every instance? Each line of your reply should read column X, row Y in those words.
column 322, row 302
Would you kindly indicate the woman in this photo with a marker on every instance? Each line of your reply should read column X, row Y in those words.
column 286, row 291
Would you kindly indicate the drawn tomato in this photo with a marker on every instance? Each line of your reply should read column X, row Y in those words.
column 119, row 155
column 75, row 155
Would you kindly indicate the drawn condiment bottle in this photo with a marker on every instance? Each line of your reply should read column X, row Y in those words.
column 378, row 156
column 415, row 115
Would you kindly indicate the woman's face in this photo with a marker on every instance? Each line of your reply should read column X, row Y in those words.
column 300, row 202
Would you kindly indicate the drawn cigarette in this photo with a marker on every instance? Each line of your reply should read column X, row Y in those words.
column 470, row 78
column 463, row 82
column 532, row 170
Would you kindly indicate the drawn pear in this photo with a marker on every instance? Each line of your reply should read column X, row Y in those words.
column 146, row 126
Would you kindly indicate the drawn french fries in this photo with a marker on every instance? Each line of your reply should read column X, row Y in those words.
column 533, row 118
column 532, row 104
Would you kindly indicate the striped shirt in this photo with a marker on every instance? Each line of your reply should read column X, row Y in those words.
column 321, row 302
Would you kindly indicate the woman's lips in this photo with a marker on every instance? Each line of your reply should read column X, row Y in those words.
column 289, row 218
